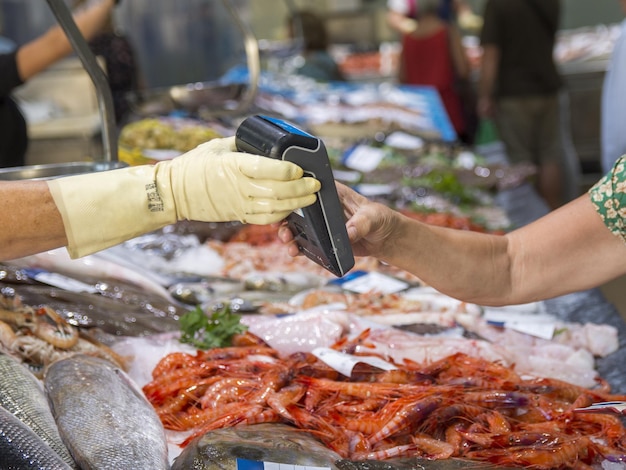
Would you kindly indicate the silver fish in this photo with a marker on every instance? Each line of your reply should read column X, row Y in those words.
column 271, row 442
column 103, row 417
column 21, row 448
column 22, row 394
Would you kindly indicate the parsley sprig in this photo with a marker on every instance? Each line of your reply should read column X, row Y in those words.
column 206, row 331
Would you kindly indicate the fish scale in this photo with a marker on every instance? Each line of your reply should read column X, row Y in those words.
column 22, row 394
column 103, row 418
column 21, row 448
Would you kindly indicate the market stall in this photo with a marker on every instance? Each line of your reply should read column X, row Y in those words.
column 206, row 344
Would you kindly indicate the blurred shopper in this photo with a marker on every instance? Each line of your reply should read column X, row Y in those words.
column 26, row 61
column 613, row 130
column 519, row 87
column 316, row 62
column 401, row 15
column 120, row 64
column 433, row 55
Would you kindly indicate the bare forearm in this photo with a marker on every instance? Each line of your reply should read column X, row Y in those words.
column 29, row 219
column 488, row 71
column 470, row 266
column 568, row 250
column 40, row 53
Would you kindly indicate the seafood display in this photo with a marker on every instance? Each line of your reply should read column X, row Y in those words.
column 458, row 407
column 371, row 371
column 102, row 417
column 40, row 335
column 462, row 390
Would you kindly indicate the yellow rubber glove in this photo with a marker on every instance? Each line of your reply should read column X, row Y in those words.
column 211, row 183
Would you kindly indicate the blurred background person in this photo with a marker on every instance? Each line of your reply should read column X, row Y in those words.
column 120, row 65
column 433, row 55
column 401, row 15
column 29, row 59
column 316, row 62
column 519, row 87
column 613, row 130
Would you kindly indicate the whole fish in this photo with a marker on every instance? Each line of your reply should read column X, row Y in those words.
column 21, row 448
column 59, row 261
column 103, row 418
column 91, row 310
column 22, row 394
column 268, row 442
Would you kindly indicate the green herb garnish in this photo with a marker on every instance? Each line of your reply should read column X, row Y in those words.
column 206, row 331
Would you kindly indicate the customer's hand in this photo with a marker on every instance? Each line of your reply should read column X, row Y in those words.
column 369, row 225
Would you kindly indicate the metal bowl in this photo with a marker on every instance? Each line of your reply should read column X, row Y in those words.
column 194, row 96
column 55, row 170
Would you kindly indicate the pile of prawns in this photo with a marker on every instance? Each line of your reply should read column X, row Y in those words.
column 458, row 407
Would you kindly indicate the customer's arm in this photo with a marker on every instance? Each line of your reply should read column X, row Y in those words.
column 43, row 51
column 568, row 250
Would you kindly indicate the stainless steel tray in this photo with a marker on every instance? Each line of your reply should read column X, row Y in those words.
column 55, row 170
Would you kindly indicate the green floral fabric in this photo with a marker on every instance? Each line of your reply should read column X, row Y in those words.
column 609, row 197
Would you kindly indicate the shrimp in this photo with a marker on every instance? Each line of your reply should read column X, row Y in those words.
column 226, row 390
column 7, row 336
column 193, row 417
column 362, row 390
column 235, row 352
column 175, row 361
column 410, row 413
column 59, row 333
column 159, row 389
column 45, row 323
column 406, row 450
column 240, row 415
column 497, row 398
column 541, row 457
column 599, row 424
column 432, row 448
column 356, row 407
column 289, row 395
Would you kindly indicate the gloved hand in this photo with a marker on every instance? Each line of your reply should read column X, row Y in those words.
column 211, row 183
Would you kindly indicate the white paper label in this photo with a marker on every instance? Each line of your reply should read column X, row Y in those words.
column 370, row 282
column 364, row 158
column 344, row 363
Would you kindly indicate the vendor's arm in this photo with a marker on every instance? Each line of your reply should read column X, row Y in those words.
column 91, row 212
column 29, row 219
column 43, row 51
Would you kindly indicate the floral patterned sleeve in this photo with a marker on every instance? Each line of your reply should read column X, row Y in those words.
column 609, row 197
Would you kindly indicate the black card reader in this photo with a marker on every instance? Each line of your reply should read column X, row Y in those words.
column 319, row 229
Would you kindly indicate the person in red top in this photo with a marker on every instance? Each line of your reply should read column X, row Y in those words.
column 433, row 55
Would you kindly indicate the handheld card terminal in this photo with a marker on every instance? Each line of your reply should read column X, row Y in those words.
column 319, row 229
